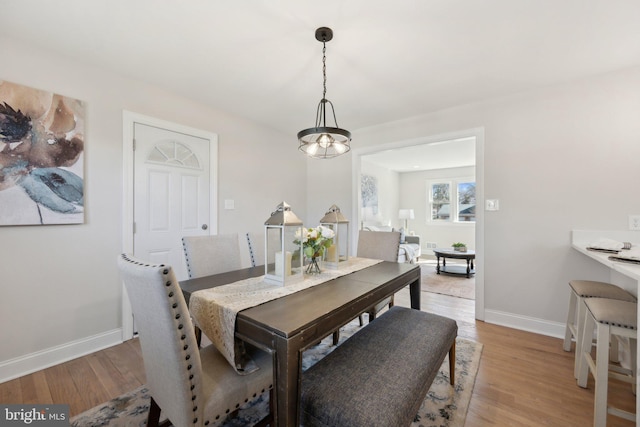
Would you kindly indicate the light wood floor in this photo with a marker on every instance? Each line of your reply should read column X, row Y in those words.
column 524, row 379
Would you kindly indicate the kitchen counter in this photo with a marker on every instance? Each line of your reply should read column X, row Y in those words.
column 580, row 239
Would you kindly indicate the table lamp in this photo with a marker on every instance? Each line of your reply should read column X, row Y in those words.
column 406, row 214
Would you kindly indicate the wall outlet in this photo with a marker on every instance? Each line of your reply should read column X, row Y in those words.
column 634, row 222
column 492, row 205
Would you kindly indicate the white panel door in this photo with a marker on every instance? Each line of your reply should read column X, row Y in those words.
column 171, row 193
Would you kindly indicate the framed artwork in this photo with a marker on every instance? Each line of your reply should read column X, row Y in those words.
column 369, row 195
column 41, row 157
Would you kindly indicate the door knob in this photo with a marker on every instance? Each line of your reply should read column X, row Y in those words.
column 205, row 226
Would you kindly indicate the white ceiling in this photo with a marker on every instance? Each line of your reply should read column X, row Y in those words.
column 388, row 60
column 426, row 156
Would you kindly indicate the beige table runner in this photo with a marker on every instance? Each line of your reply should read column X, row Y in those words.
column 214, row 310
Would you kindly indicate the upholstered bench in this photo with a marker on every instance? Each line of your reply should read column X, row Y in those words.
column 380, row 375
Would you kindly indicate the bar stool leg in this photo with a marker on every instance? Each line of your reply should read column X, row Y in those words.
column 579, row 327
column 614, row 349
column 601, row 376
column 581, row 335
column 585, row 348
column 570, row 329
column 633, row 351
column 600, row 368
column 612, row 320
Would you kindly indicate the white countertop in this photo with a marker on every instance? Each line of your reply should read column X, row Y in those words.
column 580, row 239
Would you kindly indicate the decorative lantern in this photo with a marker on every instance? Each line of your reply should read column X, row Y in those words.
column 339, row 251
column 281, row 231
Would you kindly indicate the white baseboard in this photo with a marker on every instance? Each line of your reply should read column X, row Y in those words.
column 524, row 323
column 24, row 365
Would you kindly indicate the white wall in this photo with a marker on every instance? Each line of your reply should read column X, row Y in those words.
column 557, row 158
column 329, row 177
column 414, row 195
column 61, row 293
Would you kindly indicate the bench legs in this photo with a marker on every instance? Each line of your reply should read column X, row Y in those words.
column 452, row 363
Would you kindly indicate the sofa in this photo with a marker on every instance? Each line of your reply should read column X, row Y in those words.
column 409, row 250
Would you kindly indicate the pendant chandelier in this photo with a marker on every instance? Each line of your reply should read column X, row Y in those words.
column 322, row 141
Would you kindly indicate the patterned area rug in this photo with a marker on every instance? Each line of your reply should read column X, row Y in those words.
column 446, row 284
column 444, row 406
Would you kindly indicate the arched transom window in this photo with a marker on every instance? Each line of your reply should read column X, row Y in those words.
column 173, row 153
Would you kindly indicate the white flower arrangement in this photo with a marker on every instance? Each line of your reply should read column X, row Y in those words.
column 314, row 240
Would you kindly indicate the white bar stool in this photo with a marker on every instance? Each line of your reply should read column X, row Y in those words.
column 580, row 291
column 608, row 317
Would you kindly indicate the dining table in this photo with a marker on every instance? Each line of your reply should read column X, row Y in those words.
column 286, row 326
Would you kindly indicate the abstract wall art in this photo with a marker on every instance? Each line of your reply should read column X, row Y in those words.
column 41, row 157
column 369, row 196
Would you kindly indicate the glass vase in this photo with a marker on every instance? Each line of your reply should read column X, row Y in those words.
column 313, row 267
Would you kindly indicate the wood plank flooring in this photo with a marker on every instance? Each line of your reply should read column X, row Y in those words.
column 524, row 379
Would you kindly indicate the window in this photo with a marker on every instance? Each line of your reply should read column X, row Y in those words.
column 452, row 201
column 466, row 202
column 440, row 198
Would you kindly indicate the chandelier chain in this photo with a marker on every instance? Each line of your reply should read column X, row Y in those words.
column 324, row 70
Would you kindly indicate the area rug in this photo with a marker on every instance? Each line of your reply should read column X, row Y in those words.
column 444, row 406
column 446, row 284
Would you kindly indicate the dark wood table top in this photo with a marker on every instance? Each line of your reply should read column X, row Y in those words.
column 450, row 253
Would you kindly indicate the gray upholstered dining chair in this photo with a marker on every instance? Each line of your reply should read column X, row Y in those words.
column 190, row 386
column 384, row 245
column 207, row 255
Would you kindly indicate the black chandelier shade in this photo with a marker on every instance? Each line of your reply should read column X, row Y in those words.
column 322, row 141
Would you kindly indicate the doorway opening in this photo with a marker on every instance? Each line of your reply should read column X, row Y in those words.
column 404, row 172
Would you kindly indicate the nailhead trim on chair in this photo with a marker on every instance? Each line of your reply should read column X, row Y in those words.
column 251, row 254
column 184, row 249
column 185, row 348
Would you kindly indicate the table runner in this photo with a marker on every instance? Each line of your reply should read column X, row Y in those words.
column 215, row 310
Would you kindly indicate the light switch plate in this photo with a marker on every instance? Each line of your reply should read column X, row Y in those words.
column 634, row 222
column 492, row 205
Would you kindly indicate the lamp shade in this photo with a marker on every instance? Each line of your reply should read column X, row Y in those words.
column 406, row 214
